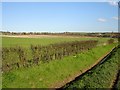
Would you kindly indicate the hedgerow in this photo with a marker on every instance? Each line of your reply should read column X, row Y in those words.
column 16, row 57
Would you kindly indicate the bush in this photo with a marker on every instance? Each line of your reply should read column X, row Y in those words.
column 110, row 41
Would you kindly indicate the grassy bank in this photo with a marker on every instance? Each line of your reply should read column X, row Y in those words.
column 47, row 74
column 101, row 77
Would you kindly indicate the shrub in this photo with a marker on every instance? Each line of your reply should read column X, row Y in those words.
column 110, row 41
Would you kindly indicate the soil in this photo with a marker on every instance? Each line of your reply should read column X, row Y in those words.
column 43, row 36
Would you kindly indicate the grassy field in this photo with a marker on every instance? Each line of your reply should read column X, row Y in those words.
column 26, row 42
column 50, row 74
column 101, row 77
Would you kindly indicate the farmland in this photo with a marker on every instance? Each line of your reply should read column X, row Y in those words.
column 56, row 72
column 59, row 45
column 26, row 42
column 18, row 55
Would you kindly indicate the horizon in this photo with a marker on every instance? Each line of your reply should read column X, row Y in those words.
column 60, row 17
column 56, row 32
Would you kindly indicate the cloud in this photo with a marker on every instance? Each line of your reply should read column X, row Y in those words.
column 113, row 3
column 115, row 18
column 102, row 20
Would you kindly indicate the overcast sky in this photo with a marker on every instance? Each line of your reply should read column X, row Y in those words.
column 60, row 17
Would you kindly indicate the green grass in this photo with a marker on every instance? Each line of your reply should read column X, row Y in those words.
column 118, row 84
column 101, row 77
column 26, row 42
column 55, row 71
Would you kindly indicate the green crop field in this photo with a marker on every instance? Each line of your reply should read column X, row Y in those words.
column 26, row 42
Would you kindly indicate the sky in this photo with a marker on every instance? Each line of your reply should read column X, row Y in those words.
column 60, row 16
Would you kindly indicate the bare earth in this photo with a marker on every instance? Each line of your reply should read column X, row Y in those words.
column 43, row 36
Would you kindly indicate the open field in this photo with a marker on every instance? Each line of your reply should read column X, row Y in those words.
column 44, row 36
column 11, row 41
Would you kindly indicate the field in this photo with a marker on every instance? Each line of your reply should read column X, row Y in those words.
column 55, row 72
column 26, row 42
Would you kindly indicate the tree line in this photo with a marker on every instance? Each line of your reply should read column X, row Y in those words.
column 99, row 34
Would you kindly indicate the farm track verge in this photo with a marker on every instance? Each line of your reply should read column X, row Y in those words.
column 85, row 76
column 76, row 76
